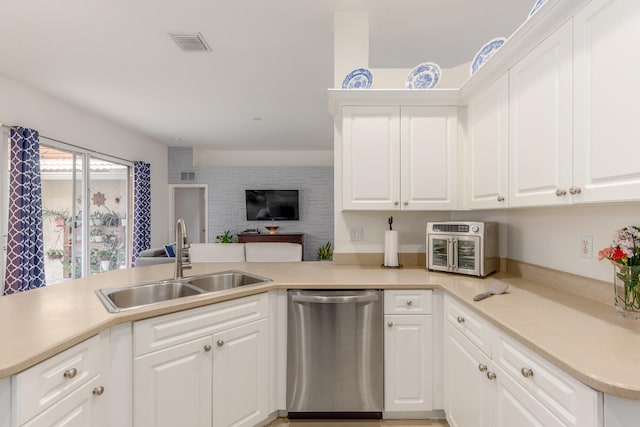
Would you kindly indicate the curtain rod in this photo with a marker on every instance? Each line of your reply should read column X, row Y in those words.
column 87, row 150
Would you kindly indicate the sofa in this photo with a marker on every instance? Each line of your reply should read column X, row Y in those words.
column 227, row 252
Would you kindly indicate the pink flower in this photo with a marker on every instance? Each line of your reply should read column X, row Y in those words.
column 605, row 253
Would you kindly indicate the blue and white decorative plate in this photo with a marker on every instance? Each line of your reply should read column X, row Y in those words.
column 485, row 53
column 358, row 79
column 535, row 7
column 424, row 76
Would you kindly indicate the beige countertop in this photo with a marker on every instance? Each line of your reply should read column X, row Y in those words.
column 583, row 337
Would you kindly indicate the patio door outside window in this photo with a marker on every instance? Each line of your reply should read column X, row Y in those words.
column 85, row 198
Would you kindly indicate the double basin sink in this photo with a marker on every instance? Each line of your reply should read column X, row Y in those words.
column 145, row 294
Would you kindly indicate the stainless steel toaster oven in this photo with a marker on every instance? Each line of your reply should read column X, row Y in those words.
column 464, row 247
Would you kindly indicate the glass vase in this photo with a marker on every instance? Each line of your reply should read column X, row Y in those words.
column 626, row 282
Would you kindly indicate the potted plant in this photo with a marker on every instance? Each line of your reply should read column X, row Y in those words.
column 325, row 252
column 225, row 237
column 55, row 253
column 96, row 235
column 59, row 216
column 111, row 218
column 102, row 257
column 97, row 218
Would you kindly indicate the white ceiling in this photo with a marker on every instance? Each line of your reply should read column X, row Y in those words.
column 271, row 60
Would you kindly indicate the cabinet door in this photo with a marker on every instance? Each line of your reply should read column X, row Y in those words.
column 408, row 361
column 428, row 163
column 540, row 123
column 371, row 158
column 606, row 74
column 514, row 406
column 240, row 366
column 172, row 387
column 467, row 389
column 81, row 408
column 486, row 145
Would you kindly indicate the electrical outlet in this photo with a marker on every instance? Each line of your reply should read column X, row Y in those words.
column 586, row 246
column 356, row 234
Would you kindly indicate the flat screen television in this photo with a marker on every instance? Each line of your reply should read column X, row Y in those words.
column 272, row 205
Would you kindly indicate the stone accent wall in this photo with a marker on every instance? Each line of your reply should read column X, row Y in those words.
column 227, row 198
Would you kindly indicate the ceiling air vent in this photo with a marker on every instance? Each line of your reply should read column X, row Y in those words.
column 188, row 176
column 191, row 42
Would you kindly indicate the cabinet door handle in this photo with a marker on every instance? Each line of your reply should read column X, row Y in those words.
column 560, row 192
column 501, row 198
column 98, row 391
column 460, row 319
column 491, row 375
column 390, row 324
column 526, row 372
column 409, row 302
column 70, row 373
column 575, row 190
column 207, row 347
column 482, row 367
column 396, row 203
column 406, row 203
column 220, row 343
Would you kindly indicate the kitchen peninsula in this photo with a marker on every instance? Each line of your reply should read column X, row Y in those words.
column 582, row 337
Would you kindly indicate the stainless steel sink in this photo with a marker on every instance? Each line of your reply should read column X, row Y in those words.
column 119, row 299
column 225, row 280
column 136, row 296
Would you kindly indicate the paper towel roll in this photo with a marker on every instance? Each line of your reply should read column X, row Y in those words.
column 391, row 248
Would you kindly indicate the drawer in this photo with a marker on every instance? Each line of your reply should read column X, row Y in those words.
column 48, row 382
column 171, row 329
column 407, row 301
column 470, row 323
column 570, row 400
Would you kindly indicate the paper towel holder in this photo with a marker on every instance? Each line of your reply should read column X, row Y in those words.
column 392, row 266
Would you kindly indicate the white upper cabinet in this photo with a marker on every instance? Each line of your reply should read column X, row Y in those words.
column 540, row 123
column 371, row 157
column 428, row 153
column 486, row 147
column 607, row 89
column 399, row 157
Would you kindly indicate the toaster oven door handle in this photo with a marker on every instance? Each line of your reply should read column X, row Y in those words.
column 454, row 254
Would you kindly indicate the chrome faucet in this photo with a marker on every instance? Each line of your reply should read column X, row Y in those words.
column 182, row 249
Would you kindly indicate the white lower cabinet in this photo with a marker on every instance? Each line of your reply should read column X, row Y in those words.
column 505, row 384
column 209, row 366
column 174, row 386
column 408, row 352
column 68, row 389
column 240, row 367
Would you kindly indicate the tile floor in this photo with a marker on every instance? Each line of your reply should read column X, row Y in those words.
column 284, row 422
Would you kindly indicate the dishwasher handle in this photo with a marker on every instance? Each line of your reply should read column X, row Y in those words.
column 335, row 299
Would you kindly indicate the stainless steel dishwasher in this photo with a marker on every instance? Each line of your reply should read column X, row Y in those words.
column 335, row 354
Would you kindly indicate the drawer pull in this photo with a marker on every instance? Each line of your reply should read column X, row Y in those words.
column 409, row 302
column 98, row 391
column 526, row 372
column 207, row 347
column 70, row 373
column 460, row 319
column 390, row 324
column 482, row 367
column 491, row 375
column 220, row 343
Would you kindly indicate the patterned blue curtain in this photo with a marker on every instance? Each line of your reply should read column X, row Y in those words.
column 25, row 247
column 141, row 209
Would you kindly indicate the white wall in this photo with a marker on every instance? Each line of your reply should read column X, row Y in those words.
column 23, row 106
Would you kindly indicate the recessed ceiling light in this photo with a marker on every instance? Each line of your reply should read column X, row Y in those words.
column 191, row 42
column 257, row 119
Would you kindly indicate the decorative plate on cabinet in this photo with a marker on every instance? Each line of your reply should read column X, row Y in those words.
column 360, row 78
column 424, row 76
column 485, row 53
column 535, row 7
